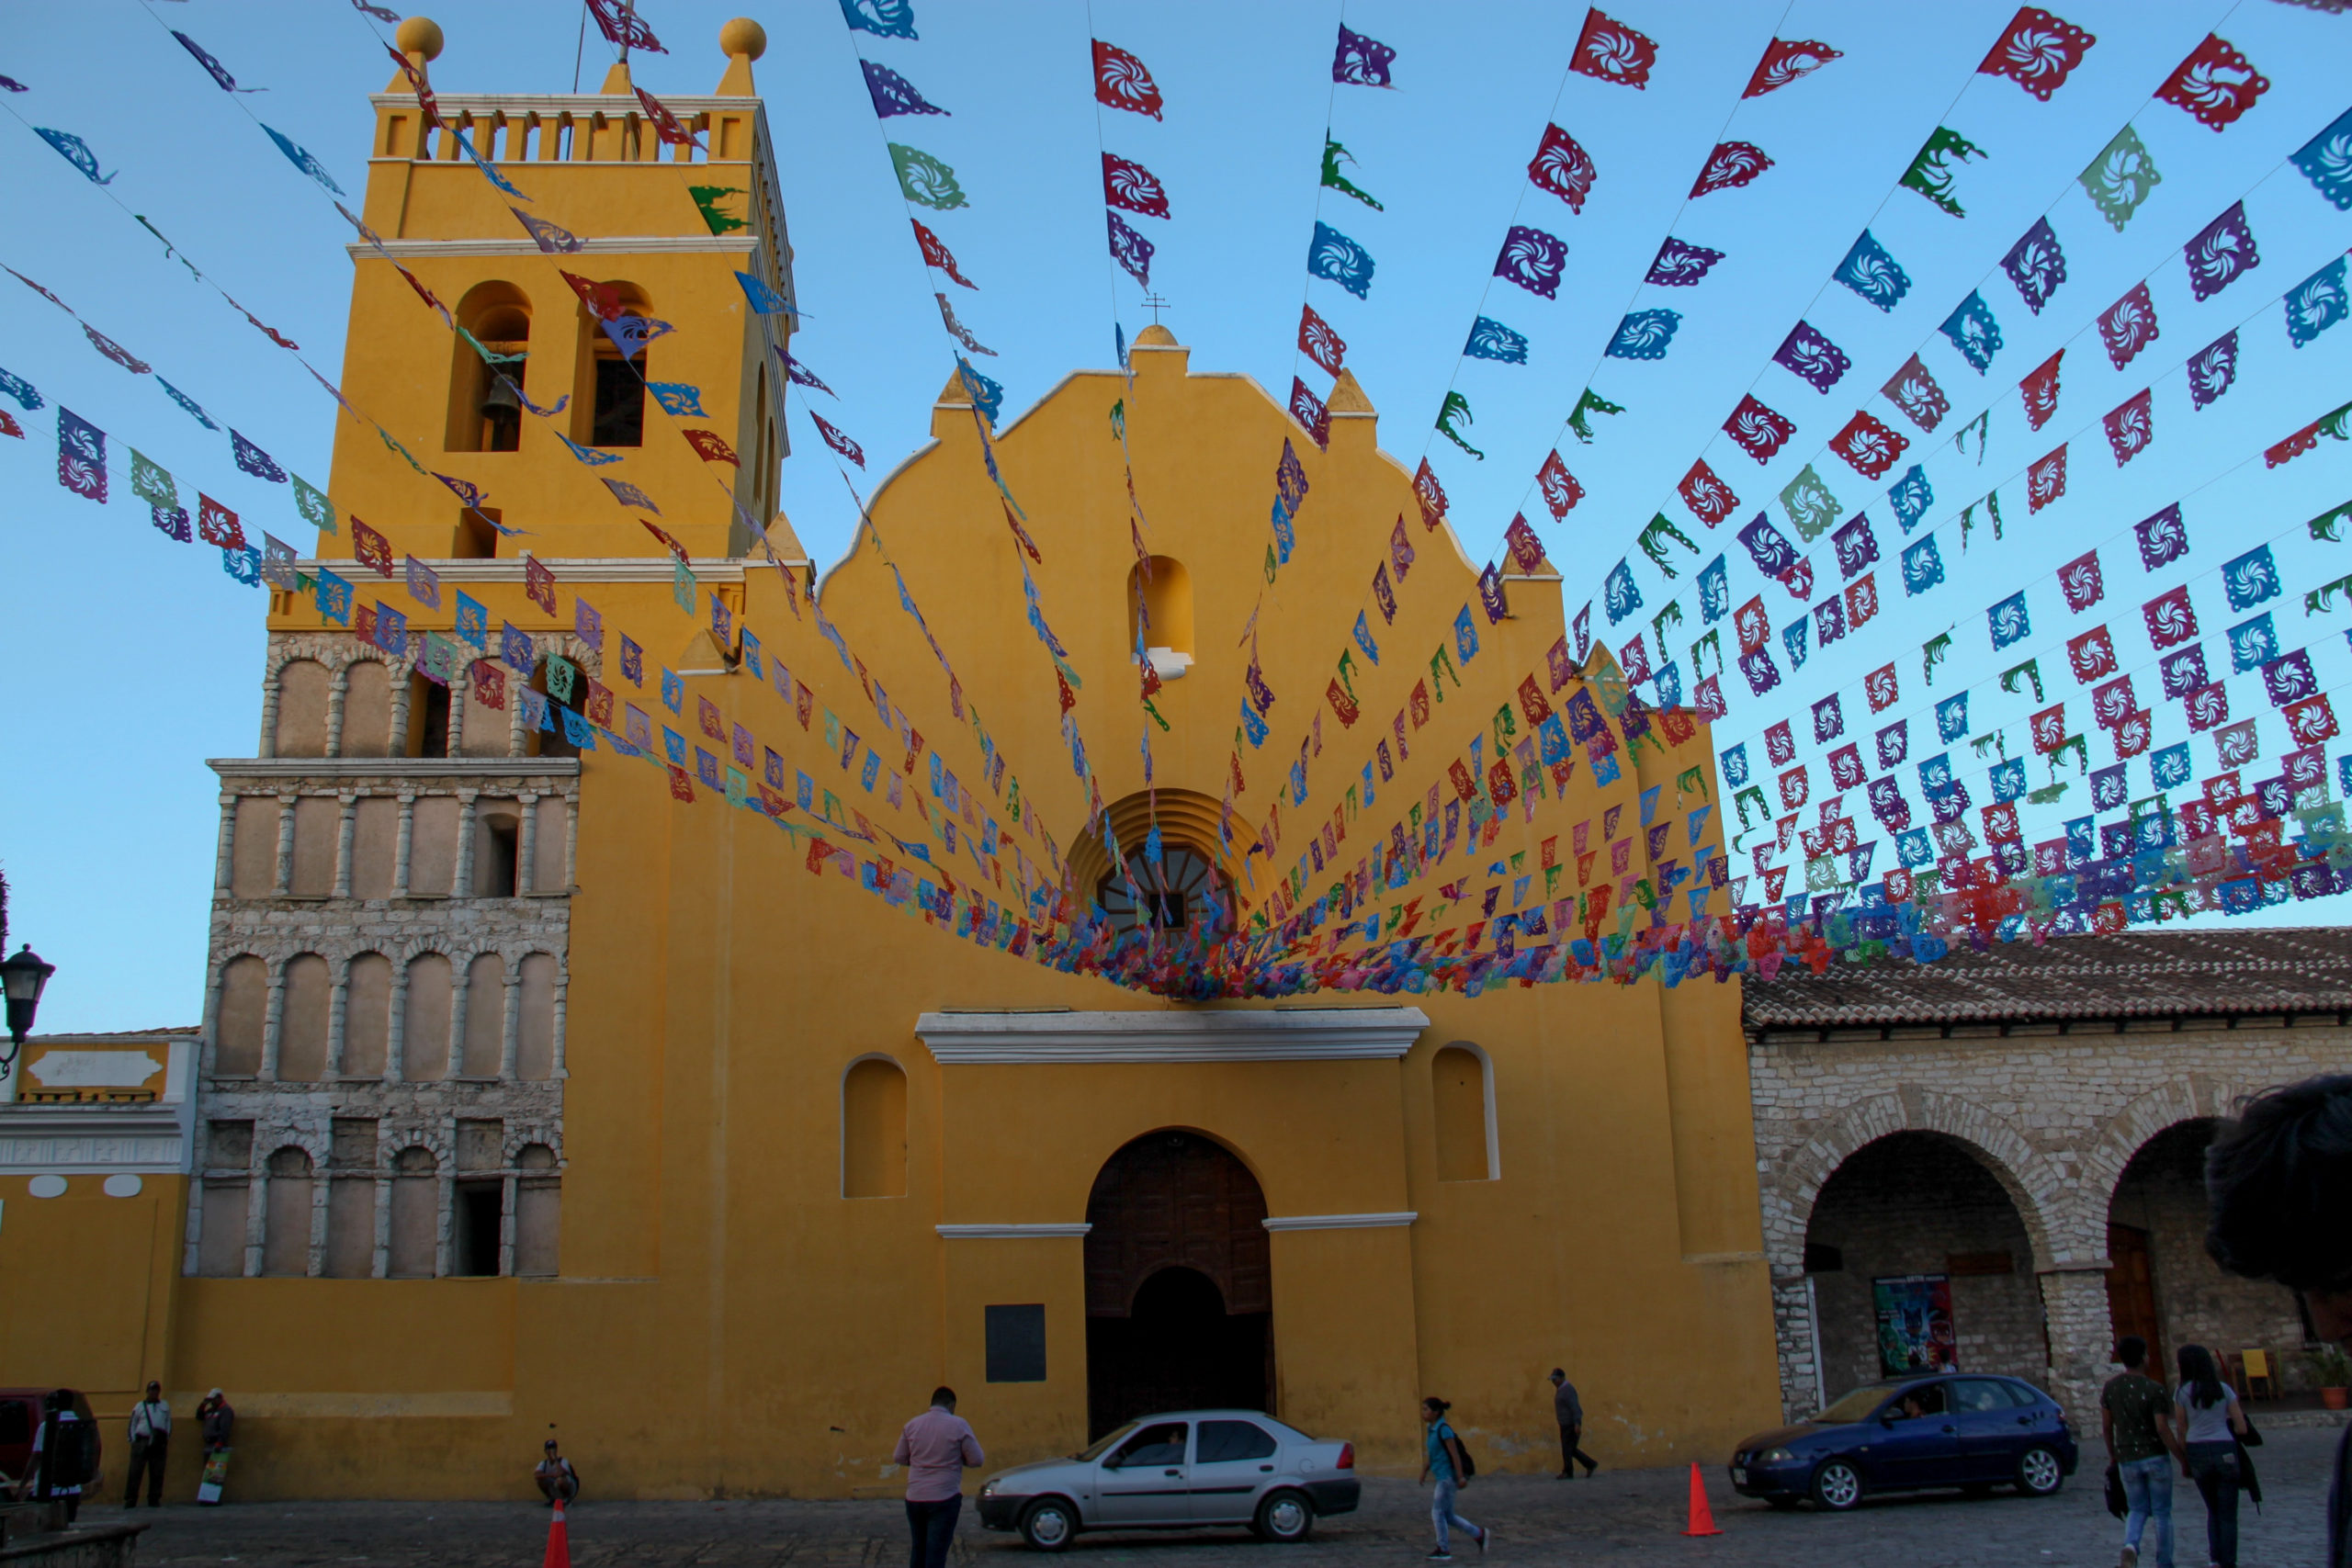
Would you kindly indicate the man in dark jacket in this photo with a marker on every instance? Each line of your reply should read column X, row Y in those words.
column 2280, row 1180
column 1568, row 1411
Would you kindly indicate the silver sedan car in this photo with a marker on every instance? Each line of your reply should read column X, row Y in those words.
column 1187, row 1468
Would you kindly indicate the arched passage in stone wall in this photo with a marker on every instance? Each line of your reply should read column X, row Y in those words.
column 2161, row 1283
column 2031, row 1182
column 1939, row 1128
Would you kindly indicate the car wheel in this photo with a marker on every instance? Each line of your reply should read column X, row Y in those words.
column 1285, row 1516
column 1048, row 1524
column 2038, row 1473
column 1837, row 1487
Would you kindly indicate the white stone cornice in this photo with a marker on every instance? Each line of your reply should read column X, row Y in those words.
column 437, row 768
column 608, row 244
column 1339, row 1221
column 1015, row 1232
column 1279, row 1034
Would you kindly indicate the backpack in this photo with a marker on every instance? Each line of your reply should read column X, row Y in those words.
column 76, row 1462
column 1469, row 1465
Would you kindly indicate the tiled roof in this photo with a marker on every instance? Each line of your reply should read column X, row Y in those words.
column 2136, row 974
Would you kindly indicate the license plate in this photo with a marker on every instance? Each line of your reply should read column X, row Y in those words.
column 1740, row 1475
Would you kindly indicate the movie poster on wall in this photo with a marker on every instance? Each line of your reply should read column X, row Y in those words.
column 1914, row 1329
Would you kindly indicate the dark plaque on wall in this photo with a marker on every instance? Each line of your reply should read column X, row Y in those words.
column 1016, row 1349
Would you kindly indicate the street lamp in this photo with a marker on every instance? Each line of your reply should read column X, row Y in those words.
column 24, row 975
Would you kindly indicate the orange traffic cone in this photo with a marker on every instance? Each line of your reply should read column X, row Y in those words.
column 559, row 1541
column 1702, row 1518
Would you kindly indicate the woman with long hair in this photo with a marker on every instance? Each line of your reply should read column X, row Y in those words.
column 2211, row 1424
column 1442, row 1458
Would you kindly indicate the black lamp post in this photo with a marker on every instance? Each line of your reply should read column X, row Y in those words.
column 24, row 975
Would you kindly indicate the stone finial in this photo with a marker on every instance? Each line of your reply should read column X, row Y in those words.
column 1156, row 336
column 420, row 36
column 744, row 37
column 744, row 40
column 1347, row 395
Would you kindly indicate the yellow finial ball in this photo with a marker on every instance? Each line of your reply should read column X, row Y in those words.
column 744, row 37
column 419, row 34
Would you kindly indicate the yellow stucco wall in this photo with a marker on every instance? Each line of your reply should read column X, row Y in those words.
column 726, row 1323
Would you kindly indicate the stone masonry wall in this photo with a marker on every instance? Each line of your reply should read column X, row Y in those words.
column 2053, row 1118
column 1906, row 1206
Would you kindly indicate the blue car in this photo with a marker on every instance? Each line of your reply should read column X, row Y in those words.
column 1971, row 1432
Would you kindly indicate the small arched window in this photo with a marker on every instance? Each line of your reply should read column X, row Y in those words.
column 565, row 686
column 485, row 411
column 243, row 1009
column 1463, row 1096
column 1159, row 613
column 425, row 1022
column 608, row 402
column 367, row 709
column 307, row 999
column 874, row 1129
column 367, row 1015
column 303, row 686
column 416, row 1215
column 286, row 1229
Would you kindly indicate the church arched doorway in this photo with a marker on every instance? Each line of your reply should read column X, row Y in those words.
column 1179, row 1298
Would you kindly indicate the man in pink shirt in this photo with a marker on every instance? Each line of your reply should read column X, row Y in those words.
column 937, row 1446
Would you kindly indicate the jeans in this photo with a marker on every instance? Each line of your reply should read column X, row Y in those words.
column 2147, row 1485
column 1442, row 1513
column 1572, row 1452
column 148, row 1454
column 934, row 1525
column 2215, row 1466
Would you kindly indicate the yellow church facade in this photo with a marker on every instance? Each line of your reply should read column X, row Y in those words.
column 711, row 1134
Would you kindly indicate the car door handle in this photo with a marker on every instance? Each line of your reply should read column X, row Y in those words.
column 1268, row 1468
column 1174, row 1472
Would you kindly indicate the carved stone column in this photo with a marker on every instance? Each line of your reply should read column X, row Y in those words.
column 400, row 849
column 461, row 880
column 337, row 689
column 345, row 833
column 224, row 862
column 526, row 844
column 570, row 842
column 338, row 1010
column 284, row 882
column 273, row 1025
column 511, row 1032
column 396, row 1027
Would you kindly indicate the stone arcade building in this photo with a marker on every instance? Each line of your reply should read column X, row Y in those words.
column 2029, row 1124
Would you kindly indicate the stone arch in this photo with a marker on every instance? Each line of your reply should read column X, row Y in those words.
column 2032, row 1180
column 2197, row 1098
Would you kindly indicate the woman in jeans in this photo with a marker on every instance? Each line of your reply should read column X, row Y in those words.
column 1442, row 1458
column 2211, row 1422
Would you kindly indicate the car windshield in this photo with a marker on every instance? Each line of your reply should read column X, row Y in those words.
column 1102, row 1445
column 1857, row 1405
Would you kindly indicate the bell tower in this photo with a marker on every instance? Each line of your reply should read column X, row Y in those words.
column 548, row 321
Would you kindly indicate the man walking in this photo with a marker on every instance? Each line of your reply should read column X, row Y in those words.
column 2280, row 1181
column 937, row 1447
column 1569, row 1412
column 150, row 1444
column 2135, row 1419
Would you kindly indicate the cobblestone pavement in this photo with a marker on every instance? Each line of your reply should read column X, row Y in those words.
column 1621, row 1515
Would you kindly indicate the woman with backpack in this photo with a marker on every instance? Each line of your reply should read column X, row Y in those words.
column 1444, row 1458
column 2212, row 1425
column 63, row 1452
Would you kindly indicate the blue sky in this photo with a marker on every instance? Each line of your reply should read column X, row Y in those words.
column 133, row 659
